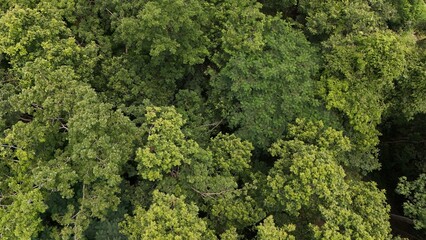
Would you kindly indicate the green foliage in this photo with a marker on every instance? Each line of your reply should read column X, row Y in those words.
column 304, row 174
column 310, row 188
column 209, row 176
column 236, row 209
column 230, row 234
column 326, row 138
column 166, row 38
column 7, row 117
column 328, row 17
column 360, row 72
column 259, row 93
column 25, row 30
column 268, row 230
column 366, row 218
column 415, row 192
column 409, row 95
column 215, row 179
column 158, row 114
column 168, row 217
column 28, row 34
column 19, row 213
column 70, row 140
column 167, row 28
column 166, row 146
column 409, row 13
column 109, row 227
column 230, row 153
column 238, row 27
column 200, row 124
column 324, row 18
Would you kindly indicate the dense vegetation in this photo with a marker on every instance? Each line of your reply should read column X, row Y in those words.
column 213, row 119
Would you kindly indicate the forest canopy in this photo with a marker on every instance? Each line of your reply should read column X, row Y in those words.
column 212, row 119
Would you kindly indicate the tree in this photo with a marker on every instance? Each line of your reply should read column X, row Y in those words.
column 71, row 145
column 168, row 217
column 408, row 96
column 359, row 74
column 308, row 187
column 268, row 230
column 208, row 176
column 166, row 147
column 165, row 38
column 409, row 13
column 19, row 212
column 260, row 92
column 31, row 33
column 322, row 19
column 153, row 118
column 415, row 192
column 237, row 26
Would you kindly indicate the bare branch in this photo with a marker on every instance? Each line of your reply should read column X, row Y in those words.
column 25, row 119
column 109, row 11
column 216, row 124
column 63, row 126
column 36, row 106
column 9, row 146
column 213, row 194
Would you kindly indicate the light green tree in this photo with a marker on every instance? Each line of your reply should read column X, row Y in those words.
column 168, row 217
column 307, row 187
column 30, row 33
column 70, row 144
column 268, row 230
column 359, row 75
column 166, row 147
column 19, row 211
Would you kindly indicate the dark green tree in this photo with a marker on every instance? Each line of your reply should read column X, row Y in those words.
column 260, row 92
